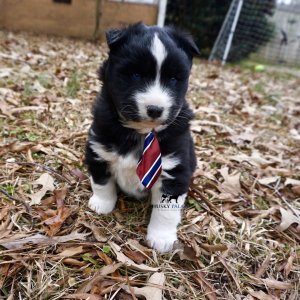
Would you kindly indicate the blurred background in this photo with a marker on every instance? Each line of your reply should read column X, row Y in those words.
column 266, row 31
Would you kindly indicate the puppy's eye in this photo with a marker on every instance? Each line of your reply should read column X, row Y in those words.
column 173, row 81
column 136, row 76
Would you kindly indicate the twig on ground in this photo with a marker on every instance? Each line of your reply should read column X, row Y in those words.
column 26, row 205
column 275, row 189
column 42, row 167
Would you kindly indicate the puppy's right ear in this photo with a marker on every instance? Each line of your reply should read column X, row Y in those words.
column 114, row 37
column 184, row 41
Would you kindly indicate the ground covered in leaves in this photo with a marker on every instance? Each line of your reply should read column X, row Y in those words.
column 239, row 238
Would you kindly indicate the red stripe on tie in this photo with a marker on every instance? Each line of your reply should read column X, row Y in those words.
column 146, row 165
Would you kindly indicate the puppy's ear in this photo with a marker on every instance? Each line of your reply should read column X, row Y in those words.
column 114, row 37
column 184, row 41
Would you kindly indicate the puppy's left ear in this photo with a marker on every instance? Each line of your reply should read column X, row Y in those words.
column 184, row 40
column 114, row 37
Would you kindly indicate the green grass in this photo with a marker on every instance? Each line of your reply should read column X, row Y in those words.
column 23, row 135
column 279, row 72
column 73, row 85
column 45, row 80
column 9, row 188
column 28, row 89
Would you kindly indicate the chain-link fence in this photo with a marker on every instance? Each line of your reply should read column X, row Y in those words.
column 263, row 30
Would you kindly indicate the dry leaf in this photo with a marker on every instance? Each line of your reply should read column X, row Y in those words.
column 74, row 262
column 296, row 190
column 54, row 220
column 107, row 260
column 78, row 174
column 71, row 251
column 42, row 239
column 135, row 245
column 294, row 134
column 278, row 285
column 5, row 72
column 98, row 233
column 262, row 296
column 289, row 264
column 255, row 159
column 229, row 269
column 294, row 295
column 188, row 253
column 287, row 219
column 196, row 123
column 3, row 273
column 54, row 223
column 208, row 288
column 104, row 271
column 136, row 256
column 246, row 136
column 4, row 212
column 231, row 182
column 121, row 257
column 268, row 180
column 38, row 87
column 47, row 183
column 124, row 296
column 291, row 181
column 154, row 291
column 5, row 108
column 214, row 248
column 231, row 218
column 83, row 296
column 263, row 268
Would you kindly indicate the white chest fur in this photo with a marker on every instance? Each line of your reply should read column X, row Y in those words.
column 123, row 169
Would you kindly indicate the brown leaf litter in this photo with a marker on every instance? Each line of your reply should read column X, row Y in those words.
column 239, row 238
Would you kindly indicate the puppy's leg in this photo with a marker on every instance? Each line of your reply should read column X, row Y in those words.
column 162, row 229
column 104, row 196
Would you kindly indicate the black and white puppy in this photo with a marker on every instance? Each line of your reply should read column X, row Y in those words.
column 145, row 79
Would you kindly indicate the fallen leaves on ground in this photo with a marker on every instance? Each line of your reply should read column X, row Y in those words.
column 239, row 238
column 287, row 219
column 153, row 290
column 53, row 219
column 121, row 257
column 47, row 183
column 39, row 239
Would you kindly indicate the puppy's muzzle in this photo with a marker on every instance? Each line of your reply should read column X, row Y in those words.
column 154, row 111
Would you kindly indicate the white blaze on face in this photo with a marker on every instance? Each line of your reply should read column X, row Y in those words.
column 158, row 50
column 155, row 93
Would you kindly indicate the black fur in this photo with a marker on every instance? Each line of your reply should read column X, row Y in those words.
column 129, row 54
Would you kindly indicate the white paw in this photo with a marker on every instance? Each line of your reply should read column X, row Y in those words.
column 100, row 205
column 162, row 241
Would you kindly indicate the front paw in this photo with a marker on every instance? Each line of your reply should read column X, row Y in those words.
column 162, row 241
column 100, row 205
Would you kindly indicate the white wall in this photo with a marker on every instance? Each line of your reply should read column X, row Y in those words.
column 289, row 22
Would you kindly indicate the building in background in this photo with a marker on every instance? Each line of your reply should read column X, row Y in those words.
column 284, row 46
column 78, row 18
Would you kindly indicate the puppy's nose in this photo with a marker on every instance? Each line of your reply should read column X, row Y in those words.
column 154, row 111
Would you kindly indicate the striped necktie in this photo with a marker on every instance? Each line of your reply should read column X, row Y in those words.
column 149, row 166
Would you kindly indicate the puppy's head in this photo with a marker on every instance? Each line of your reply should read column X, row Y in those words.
column 146, row 74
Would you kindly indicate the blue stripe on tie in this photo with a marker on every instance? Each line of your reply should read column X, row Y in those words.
column 153, row 165
column 148, row 139
column 152, row 172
